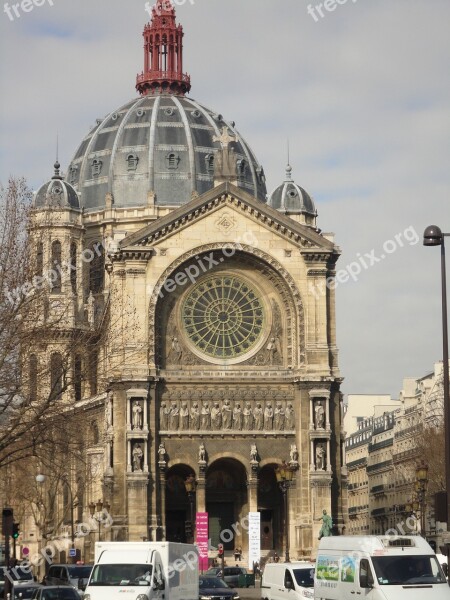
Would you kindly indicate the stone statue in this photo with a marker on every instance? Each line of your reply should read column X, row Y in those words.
column 259, row 417
column 136, row 419
column 227, row 415
column 108, row 411
column 205, row 417
column 289, row 418
column 184, row 416
column 237, row 417
column 294, row 453
column 253, row 453
column 202, row 453
column 268, row 417
column 320, row 457
column 327, row 525
column 174, row 417
column 137, row 458
column 91, row 309
column 216, row 416
column 176, row 353
column 164, row 413
column 248, row 416
column 279, row 417
column 320, row 415
column 162, row 453
column 195, row 416
column 274, row 350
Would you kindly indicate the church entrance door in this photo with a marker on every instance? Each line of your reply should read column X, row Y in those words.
column 221, row 519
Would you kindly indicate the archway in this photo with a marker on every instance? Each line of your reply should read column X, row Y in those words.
column 177, row 503
column 270, row 505
column 226, row 500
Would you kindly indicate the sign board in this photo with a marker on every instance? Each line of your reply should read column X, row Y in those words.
column 254, row 538
column 201, row 535
column 72, row 552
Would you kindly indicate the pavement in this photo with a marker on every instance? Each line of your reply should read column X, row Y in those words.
column 249, row 593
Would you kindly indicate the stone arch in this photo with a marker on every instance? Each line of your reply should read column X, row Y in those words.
column 274, row 271
column 177, row 509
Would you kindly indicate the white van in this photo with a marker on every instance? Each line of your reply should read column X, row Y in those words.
column 144, row 571
column 378, row 568
column 288, row 581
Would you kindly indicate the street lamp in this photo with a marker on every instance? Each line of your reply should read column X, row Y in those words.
column 433, row 236
column 96, row 511
column 284, row 474
column 421, row 486
column 190, row 485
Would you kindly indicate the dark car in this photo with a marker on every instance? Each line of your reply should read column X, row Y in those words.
column 214, row 588
column 22, row 583
column 75, row 575
column 55, row 592
column 230, row 576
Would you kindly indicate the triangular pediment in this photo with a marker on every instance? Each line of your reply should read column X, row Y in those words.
column 230, row 196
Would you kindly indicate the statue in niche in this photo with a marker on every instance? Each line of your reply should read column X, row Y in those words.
column 319, row 412
column 108, row 411
column 137, row 415
column 205, row 416
column 202, row 453
column 91, row 309
column 174, row 417
column 176, row 352
column 258, row 415
column 253, row 453
column 216, row 416
column 237, row 417
column 273, row 349
column 320, row 457
column 162, row 453
column 195, row 416
column 184, row 416
column 248, row 416
column 227, row 415
column 279, row 417
column 138, row 456
column 294, row 453
column 268, row 417
column 164, row 413
column 289, row 417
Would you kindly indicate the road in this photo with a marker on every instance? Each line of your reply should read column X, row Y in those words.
column 249, row 593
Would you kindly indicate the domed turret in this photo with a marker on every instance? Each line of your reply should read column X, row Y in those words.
column 291, row 199
column 56, row 193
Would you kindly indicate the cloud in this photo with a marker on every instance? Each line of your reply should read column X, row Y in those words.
column 361, row 94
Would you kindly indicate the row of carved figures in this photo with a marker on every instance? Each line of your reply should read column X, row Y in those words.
column 225, row 415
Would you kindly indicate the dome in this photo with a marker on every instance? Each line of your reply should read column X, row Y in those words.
column 56, row 193
column 164, row 144
column 291, row 198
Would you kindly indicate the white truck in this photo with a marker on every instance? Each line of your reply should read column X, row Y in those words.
column 378, row 568
column 144, row 571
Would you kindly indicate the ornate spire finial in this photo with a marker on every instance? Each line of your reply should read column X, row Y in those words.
column 163, row 54
column 288, row 166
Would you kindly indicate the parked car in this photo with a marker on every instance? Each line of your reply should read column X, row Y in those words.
column 55, row 592
column 74, row 575
column 22, row 583
column 215, row 588
column 230, row 576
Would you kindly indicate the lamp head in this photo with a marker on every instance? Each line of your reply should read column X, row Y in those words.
column 40, row 478
column 432, row 236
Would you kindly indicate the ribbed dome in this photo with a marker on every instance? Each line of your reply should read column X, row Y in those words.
column 291, row 198
column 56, row 193
column 163, row 144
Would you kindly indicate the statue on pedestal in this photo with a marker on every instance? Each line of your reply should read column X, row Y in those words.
column 327, row 525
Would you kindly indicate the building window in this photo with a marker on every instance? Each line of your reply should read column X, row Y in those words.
column 241, row 168
column 56, row 375
column 94, row 433
column 132, row 162
column 56, row 267
column 96, row 167
column 73, row 267
column 73, row 172
column 97, row 268
column 32, row 377
column 77, row 376
column 93, row 367
column 209, row 159
column 172, row 160
column 39, row 259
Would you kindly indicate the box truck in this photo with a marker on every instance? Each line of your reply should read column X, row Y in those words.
column 378, row 568
column 144, row 571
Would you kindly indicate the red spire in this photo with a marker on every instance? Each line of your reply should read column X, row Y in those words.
column 163, row 54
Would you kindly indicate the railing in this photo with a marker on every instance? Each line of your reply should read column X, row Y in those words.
column 379, row 445
column 380, row 465
column 377, row 488
column 158, row 75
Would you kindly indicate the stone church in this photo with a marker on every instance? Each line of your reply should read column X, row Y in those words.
column 217, row 355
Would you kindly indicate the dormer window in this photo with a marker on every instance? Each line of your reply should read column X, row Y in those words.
column 209, row 159
column 172, row 160
column 241, row 167
column 132, row 161
column 73, row 172
column 96, row 167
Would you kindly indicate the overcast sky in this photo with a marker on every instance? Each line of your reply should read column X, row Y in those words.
column 363, row 93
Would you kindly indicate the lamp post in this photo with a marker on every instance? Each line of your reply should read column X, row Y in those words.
column 284, row 474
column 96, row 511
column 190, row 485
column 421, row 486
column 433, row 236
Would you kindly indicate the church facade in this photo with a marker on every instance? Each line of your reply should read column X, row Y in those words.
column 215, row 318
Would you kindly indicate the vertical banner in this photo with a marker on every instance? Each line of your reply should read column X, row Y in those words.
column 201, row 537
column 254, row 538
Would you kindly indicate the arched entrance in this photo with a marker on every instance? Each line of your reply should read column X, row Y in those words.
column 270, row 505
column 226, row 500
column 177, row 503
